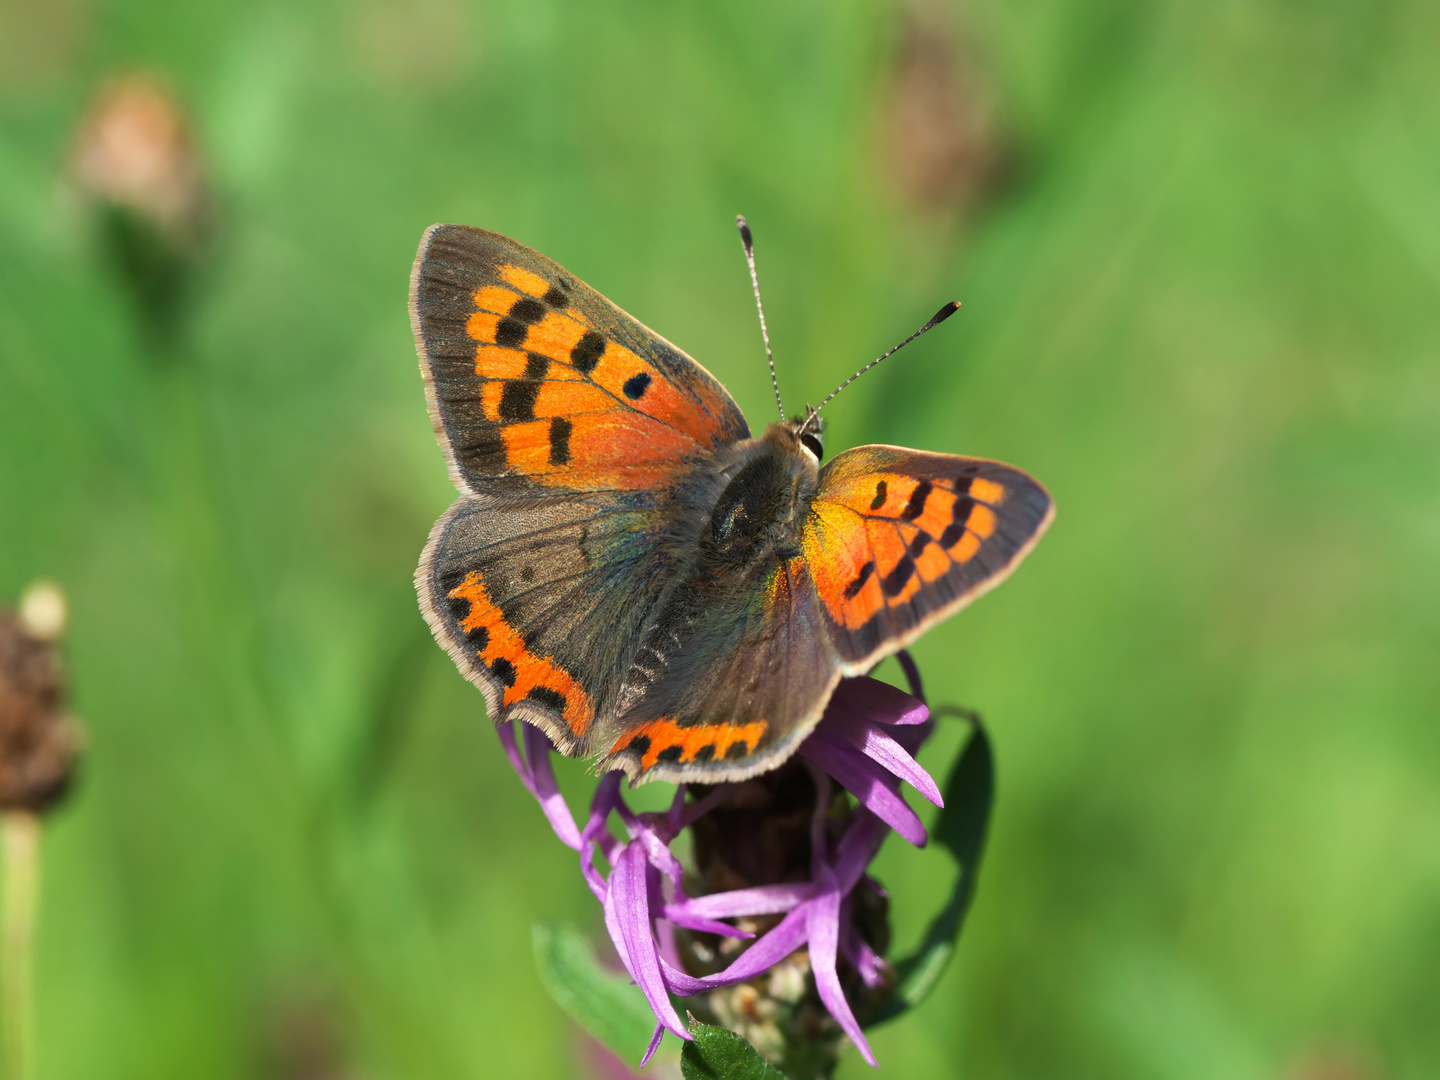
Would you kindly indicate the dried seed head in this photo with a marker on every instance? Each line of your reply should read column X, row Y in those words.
column 38, row 742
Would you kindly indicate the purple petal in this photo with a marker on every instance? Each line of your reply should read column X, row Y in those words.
column 760, row 900
column 675, row 911
column 912, row 673
column 880, row 747
column 866, row 781
column 823, row 924
column 537, row 751
column 678, row 915
column 878, row 702
column 506, row 734
column 857, row 950
column 659, row 853
column 857, row 847
column 595, row 834
column 677, row 810
column 782, row 939
column 654, row 1045
column 630, row 900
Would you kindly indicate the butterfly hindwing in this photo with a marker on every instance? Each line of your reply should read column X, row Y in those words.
column 541, row 604
column 731, row 678
column 536, row 382
column 898, row 539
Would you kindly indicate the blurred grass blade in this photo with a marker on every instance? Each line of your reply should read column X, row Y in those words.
column 604, row 1003
column 719, row 1054
column 969, row 795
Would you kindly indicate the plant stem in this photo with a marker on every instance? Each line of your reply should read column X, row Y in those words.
column 20, row 840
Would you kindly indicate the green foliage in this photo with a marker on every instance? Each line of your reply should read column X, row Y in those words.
column 604, row 1003
column 719, row 1054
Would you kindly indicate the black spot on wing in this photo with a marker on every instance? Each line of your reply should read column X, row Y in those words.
column 552, row 699
column 528, row 310
column 503, row 670
column 952, row 534
column 587, row 352
column 917, row 545
column 510, row 332
column 894, row 582
column 536, row 366
column 737, row 750
column 853, row 589
column 916, row 506
column 557, row 297
column 517, row 401
column 560, row 429
column 478, row 638
column 670, row 754
column 879, row 499
column 636, row 385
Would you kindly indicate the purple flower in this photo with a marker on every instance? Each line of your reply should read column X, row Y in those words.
column 865, row 742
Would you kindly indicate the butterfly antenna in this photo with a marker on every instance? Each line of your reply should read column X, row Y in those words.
column 749, row 242
column 935, row 320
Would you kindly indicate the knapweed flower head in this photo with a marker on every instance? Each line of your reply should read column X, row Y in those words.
column 781, row 860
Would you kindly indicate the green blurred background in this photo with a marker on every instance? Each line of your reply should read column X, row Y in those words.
column 1198, row 245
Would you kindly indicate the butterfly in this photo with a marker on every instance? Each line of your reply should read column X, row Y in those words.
column 628, row 567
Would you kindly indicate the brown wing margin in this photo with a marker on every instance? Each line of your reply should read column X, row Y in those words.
column 899, row 539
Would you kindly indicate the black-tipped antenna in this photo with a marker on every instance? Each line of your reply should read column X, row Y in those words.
column 749, row 242
column 935, row 320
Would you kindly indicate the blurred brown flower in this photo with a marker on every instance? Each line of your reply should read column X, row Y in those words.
column 134, row 150
column 941, row 145
column 38, row 742
column 136, row 163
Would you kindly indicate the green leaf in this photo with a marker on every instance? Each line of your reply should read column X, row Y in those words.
column 605, row 1004
column 961, row 827
column 719, row 1054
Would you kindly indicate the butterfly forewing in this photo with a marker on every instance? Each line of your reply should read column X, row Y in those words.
column 898, row 539
column 537, row 382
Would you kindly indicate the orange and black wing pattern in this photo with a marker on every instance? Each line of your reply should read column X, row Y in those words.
column 898, row 539
column 537, row 384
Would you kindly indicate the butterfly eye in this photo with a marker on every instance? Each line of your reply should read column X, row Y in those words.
column 812, row 443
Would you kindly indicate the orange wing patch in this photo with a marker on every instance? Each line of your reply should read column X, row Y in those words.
column 876, row 539
column 837, row 551
column 531, row 284
column 521, row 672
column 664, row 733
column 539, row 358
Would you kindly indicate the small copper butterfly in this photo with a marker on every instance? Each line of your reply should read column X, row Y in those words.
column 628, row 568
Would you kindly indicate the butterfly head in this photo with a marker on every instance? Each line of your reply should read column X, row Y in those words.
column 808, row 430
